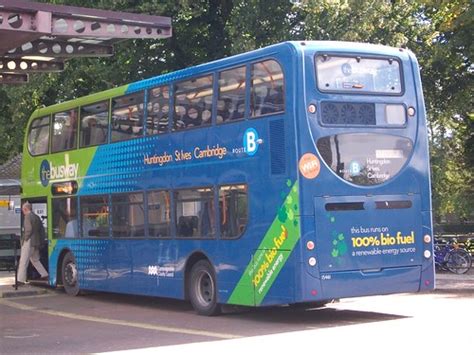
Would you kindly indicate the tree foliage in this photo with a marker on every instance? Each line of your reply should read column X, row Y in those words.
column 438, row 31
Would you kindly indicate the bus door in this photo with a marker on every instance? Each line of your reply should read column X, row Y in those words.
column 372, row 239
column 40, row 208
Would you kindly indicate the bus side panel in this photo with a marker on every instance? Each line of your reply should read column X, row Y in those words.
column 154, row 270
column 272, row 270
column 91, row 259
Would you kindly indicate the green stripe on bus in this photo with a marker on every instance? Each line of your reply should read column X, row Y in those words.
column 271, row 255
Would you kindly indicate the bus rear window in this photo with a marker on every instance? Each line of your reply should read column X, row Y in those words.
column 358, row 74
column 365, row 159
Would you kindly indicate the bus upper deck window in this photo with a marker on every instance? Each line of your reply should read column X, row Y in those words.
column 64, row 130
column 267, row 91
column 38, row 137
column 193, row 103
column 231, row 100
column 94, row 124
column 127, row 116
column 158, row 109
column 358, row 74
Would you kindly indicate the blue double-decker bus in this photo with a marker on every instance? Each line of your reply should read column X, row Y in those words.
column 296, row 173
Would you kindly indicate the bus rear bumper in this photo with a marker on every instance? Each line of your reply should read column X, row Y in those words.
column 371, row 282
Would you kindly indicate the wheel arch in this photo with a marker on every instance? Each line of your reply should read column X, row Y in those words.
column 192, row 259
column 59, row 266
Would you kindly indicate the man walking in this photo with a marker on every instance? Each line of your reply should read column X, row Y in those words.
column 30, row 244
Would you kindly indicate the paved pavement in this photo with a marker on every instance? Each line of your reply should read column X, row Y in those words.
column 446, row 282
column 7, row 289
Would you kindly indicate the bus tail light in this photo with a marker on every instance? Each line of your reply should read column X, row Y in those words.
column 310, row 245
column 427, row 238
column 427, row 254
column 411, row 111
column 312, row 261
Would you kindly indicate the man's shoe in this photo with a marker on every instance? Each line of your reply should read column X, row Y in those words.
column 19, row 283
column 44, row 278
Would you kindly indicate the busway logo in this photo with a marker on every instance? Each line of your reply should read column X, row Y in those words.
column 45, row 172
column 251, row 141
column 48, row 171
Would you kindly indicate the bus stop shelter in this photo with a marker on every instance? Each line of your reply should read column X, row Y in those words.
column 10, row 211
column 38, row 37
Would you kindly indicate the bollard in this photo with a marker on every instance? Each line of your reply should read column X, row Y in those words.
column 15, row 259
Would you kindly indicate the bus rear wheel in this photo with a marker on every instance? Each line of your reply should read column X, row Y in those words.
column 70, row 275
column 202, row 289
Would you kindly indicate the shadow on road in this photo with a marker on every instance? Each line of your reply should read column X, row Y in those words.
column 257, row 321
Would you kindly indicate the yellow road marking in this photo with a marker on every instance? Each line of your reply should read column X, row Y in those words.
column 118, row 322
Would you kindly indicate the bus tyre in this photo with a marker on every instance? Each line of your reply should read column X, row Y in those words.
column 70, row 275
column 202, row 289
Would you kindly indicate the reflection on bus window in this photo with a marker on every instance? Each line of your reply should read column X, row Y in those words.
column 159, row 214
column 38, row 137
column 267, row 91
column 94, row 124
column 128, row 218
column 127, row 117
column 233, row 210
column 358, row 74
column 158, row 110
column 195, row 213
column 365, row 159
column 231, row 100
column 94, row 216
column 64, row 131
column 65, row 223
column 193, row 103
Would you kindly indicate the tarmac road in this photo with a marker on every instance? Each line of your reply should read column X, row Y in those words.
column 54, row 323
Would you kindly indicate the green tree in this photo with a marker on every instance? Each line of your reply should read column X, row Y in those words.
column 448, row 74
column 439, row 32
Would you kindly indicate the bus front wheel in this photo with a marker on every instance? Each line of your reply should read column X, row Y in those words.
column 70, row 275
column 202, row 289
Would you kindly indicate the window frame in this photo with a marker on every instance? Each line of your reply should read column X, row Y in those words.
column 251, row 65
column 107, row 138
column 364, row 56
column 81, row 219
column 142, row 119
column 245, row 116
column 244, row 230
column 175, row 85
column 76, row 138
column 78, row 223
column 175, row 213
column 112, row 213
column 172, row 233
column 30, row 129
column 170, row 107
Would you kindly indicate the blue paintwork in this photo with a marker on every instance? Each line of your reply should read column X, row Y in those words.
column 119, row 265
